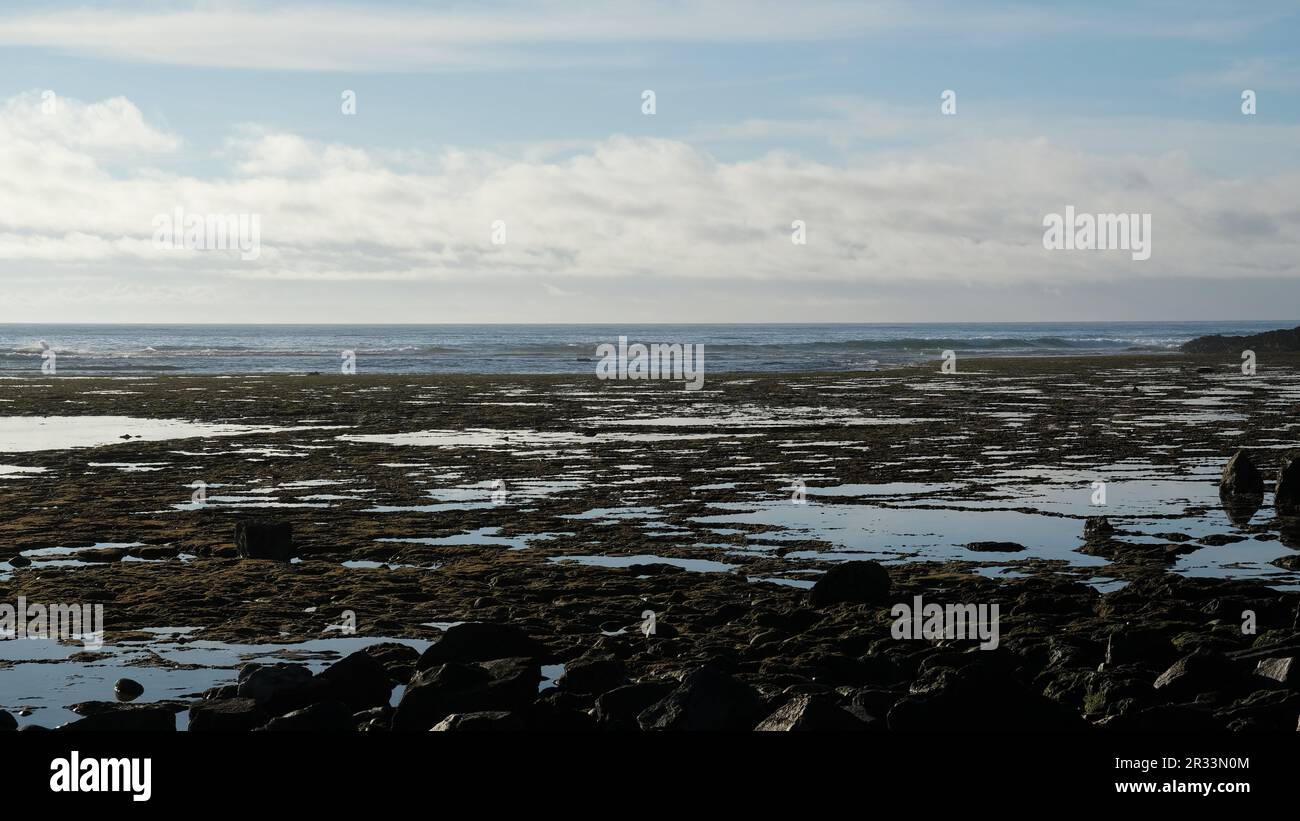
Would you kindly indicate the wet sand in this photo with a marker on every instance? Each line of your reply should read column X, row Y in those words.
column 567, row 506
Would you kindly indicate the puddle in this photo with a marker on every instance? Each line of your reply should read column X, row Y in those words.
column 26, row 434
column 698, row 565
column 51, row 680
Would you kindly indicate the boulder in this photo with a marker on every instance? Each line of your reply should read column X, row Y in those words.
column 863, row 582
column 593, row 675
column 811, row 713
column 1241, row 477
column 7, row 721
column 322, row 717
column 127, row 689
column 1286, row 494
column 619, row 708
column 398, row 659
column 706, row 699
column 226, row 715
column 474, row 641
column 264, row 540
column 508, row 685
column 358, row 680
column 281, row 688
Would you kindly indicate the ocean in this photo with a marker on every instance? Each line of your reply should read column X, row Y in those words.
column 244, row 349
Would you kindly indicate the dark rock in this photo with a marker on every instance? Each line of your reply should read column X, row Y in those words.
column 706, row 699
column 1241, row 477
column 1286, row 494
column 619, row 708
column 813, row 713
column 476, row 641
column 359, row 681
column 19, row 561
column 7, row 721
column 1285, row 670
column 398, row 659
column 487, row 721
column 995, row 547
column 1262, row 711
column 226, row 715
column 1200, row 672
column 1130, row 645
column 504, row 684
column 322, row 717
column 593, row 675
column 855, row 582
column 264, row 540
column 1097, row 528
column 980, row 698
column 281, row 688
column 556, row 711
column 1280, row 340
column 127, row 689
column 126, row 719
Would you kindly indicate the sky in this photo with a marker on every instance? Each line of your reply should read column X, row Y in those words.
column 500, row 162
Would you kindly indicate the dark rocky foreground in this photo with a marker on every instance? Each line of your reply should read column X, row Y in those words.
column 1165, row 652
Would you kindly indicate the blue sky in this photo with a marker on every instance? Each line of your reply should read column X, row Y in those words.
column 531, row 113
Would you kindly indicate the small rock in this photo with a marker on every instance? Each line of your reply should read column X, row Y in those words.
column 811, row 713
column 264, row 540
column 126, row 719
column 1284, row 670
column 19, row 561
column 487, row 721
column 230, row 715
column 128, row 689
column 1200, row 672
column 1097, row 528
column 856, row 582
column 322, row 717
column 995, row 547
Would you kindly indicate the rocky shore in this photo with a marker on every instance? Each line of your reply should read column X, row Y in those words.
column 1126, row 631
column 1283, row 340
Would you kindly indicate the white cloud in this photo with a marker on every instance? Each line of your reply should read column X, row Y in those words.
column 656, row 213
